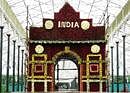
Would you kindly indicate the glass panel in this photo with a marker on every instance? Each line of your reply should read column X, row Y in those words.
column 66, row 75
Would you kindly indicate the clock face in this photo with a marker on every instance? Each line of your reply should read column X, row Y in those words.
column 49, row 24
column 95, row 48
column 85, row 25
column 39, row 49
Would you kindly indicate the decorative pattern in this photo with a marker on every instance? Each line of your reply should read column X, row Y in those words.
column 39, row 49
column 67, row 50
column 39, row 57
column 38, row 68
column 49, row 24
column 94, row 67
column 95, row 48
column 85, row 25
column 67, row 41
column 38, row 65
column 94, row 57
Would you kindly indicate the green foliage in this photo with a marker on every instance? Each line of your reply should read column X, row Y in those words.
column 4, row 78
column 120, row 79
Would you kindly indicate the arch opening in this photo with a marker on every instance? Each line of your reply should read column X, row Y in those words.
column 66, row 73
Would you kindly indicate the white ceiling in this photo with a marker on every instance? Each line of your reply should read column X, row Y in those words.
column 39, row 9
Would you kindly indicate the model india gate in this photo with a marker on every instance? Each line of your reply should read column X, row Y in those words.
column 67, row 37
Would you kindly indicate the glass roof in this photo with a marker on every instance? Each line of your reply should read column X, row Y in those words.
column 98, row 10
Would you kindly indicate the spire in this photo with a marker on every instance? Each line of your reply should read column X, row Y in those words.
column 67, row 7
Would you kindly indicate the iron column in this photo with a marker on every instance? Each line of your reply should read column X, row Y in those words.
column 22, row 71
column 57, row 76
column 8, row 59
column 124, row 74
column 117, row 45
column 1, row 46
column 18, row 68
column 58, row 72
column 13, row 86
column 112, row 89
